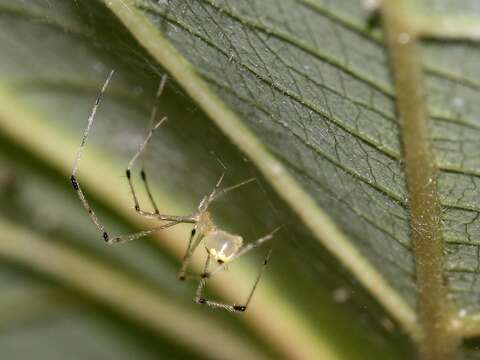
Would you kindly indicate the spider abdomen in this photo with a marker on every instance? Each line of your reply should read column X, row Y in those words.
column 222, row 245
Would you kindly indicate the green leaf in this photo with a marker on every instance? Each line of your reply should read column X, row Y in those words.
column 299, row 94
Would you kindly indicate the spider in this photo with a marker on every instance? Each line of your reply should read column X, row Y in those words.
column 221, row 246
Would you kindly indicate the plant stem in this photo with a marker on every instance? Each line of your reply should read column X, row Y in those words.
column 438, row 342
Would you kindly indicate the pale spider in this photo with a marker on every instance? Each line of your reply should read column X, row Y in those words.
column 221, row 246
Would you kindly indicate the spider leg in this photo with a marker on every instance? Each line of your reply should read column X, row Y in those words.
column 217, row 186
column 143, row 175
column 156, row 214
column 148, row 214
column 257, row 280
column 141, row 149
column 216, row 193
column 192, row 246
column 78, row 189
column 129, row 237
column 222, row 192
column 132, row 162
column 73, row 177
column 161, row 86
column 229, row 307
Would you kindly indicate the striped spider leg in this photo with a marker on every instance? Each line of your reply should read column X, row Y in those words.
column 171, row 220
